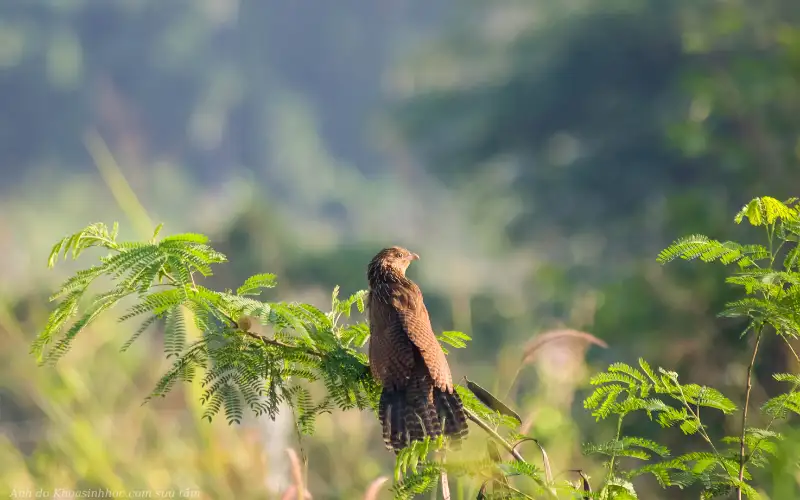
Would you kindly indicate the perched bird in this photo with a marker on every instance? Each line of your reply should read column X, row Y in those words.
column 418, row 398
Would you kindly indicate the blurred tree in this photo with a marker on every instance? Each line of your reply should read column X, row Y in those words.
column 189, row 80
column 615, row 122
column 617, row 125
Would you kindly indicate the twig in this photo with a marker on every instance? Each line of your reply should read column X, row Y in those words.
column 744, row 412
column 616, row 441
column 277, row 343
column 244, row 329
column 700, row 427
column 775, row 416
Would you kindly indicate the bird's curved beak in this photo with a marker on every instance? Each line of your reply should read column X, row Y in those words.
column 414, row 256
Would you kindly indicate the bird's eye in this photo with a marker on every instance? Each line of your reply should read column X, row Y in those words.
column 398, row 255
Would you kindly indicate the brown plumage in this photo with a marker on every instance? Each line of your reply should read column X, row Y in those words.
column 418, row 398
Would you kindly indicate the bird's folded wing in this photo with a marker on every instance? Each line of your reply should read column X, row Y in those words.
column 414, row 320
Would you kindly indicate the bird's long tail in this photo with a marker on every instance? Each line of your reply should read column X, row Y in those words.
column 413, row 413
column 451, row 413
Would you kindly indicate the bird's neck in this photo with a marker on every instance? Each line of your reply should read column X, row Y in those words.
column 385, row 275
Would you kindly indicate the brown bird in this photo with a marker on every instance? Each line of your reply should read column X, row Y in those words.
column 418, row 398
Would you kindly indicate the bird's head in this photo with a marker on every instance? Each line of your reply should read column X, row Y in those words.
column 393, row 260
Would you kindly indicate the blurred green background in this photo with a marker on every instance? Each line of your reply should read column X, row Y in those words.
column 536, row 153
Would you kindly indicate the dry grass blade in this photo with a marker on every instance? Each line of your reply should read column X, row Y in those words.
column 374, row 488
column 494, row 453
column 548, row 471
column 297, row 475
column 491, row 401
column 120, row 188
column 494, row 456
column 291, row 493
column 445, row 486
column 485, row 485
column 536, row 343
column 539, row 340
column 482, row 491
column 587, row 488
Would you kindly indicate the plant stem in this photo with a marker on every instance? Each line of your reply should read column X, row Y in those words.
column 511, row 449
column 614, row 456
column 483, row 425
column 700, row 428
column 281, row 344
column 775, row 416
column 744, row 411
column 267, row 340
column 769, row 239
column 768, row 428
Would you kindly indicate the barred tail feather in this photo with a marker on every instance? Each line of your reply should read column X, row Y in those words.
column 391, row 412
column 417, row 412
column 416, row 424
column 450, row 411
column 421, row 411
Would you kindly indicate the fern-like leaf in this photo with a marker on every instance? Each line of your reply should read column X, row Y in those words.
column 254, row 284
column 765, row 210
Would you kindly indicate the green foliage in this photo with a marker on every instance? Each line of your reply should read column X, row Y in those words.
column 239, row 369
column 245, row 371
column 624, row 389
column 134, row 268
column 766, row 211
column 770, row 303
column 782, row 405
column 455, row 339
column 420, row 471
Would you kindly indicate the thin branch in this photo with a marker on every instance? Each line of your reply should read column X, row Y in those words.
column 277, row 343
column 483, row 425
column 744, row 411
column 700, row 427
column 616, row 441
column 511, row 449
column 775, row 417
column 789, row 344
column 266, row 340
